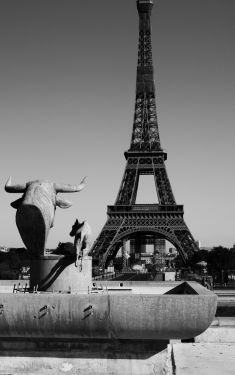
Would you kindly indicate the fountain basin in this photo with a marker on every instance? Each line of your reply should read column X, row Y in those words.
column 185, row 311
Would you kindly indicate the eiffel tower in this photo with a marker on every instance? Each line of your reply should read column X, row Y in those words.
column 139, row 222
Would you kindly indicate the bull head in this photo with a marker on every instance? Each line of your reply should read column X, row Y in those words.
column 36, row 209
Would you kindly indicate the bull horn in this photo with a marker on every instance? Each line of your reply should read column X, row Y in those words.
column 67, row 188
column 14, row 188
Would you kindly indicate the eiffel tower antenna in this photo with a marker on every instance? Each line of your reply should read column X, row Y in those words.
column 139, row 222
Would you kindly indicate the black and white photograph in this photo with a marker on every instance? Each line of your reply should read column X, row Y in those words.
column 117, row 246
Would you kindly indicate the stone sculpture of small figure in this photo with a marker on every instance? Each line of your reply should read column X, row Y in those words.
column 82, row 240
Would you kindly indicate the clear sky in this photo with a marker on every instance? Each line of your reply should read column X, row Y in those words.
column 67, row 73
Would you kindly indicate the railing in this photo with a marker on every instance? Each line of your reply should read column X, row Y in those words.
column 105, row 276
column 145, row 208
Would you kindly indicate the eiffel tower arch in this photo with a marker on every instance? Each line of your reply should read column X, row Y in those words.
column 127, row 219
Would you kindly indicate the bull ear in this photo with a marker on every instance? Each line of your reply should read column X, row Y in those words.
column 16, row 204
column 63, row 203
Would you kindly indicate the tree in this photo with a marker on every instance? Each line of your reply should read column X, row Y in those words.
column 218, row 259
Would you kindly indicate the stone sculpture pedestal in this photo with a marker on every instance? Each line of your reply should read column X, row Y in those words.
column 169, row 275
column 58, row 273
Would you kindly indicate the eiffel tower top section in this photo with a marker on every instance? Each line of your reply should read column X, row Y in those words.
column 145, row 134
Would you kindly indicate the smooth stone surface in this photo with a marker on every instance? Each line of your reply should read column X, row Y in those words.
column 36, row 209
column 79, row 363
column 169, row 276
column 203, row 359
column 57, row 273
column 104, row 315
column 222, row 330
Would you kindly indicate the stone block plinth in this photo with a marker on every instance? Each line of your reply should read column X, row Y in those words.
column 58, row 273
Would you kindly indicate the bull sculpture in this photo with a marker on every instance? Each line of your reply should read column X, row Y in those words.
column 36, row 209
column 82, row 240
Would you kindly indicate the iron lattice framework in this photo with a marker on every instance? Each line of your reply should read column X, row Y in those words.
column 145, row 156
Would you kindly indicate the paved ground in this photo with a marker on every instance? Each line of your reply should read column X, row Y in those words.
column 222, row 330
column 178, row 359
column 59, row 363
column 203, row 359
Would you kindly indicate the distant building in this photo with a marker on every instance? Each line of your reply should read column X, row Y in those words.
column 172, row 251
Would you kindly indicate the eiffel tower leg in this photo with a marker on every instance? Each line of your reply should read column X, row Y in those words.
column 106, row 241
column 187, row 243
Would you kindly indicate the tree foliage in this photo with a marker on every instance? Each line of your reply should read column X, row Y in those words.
column 219, row 258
